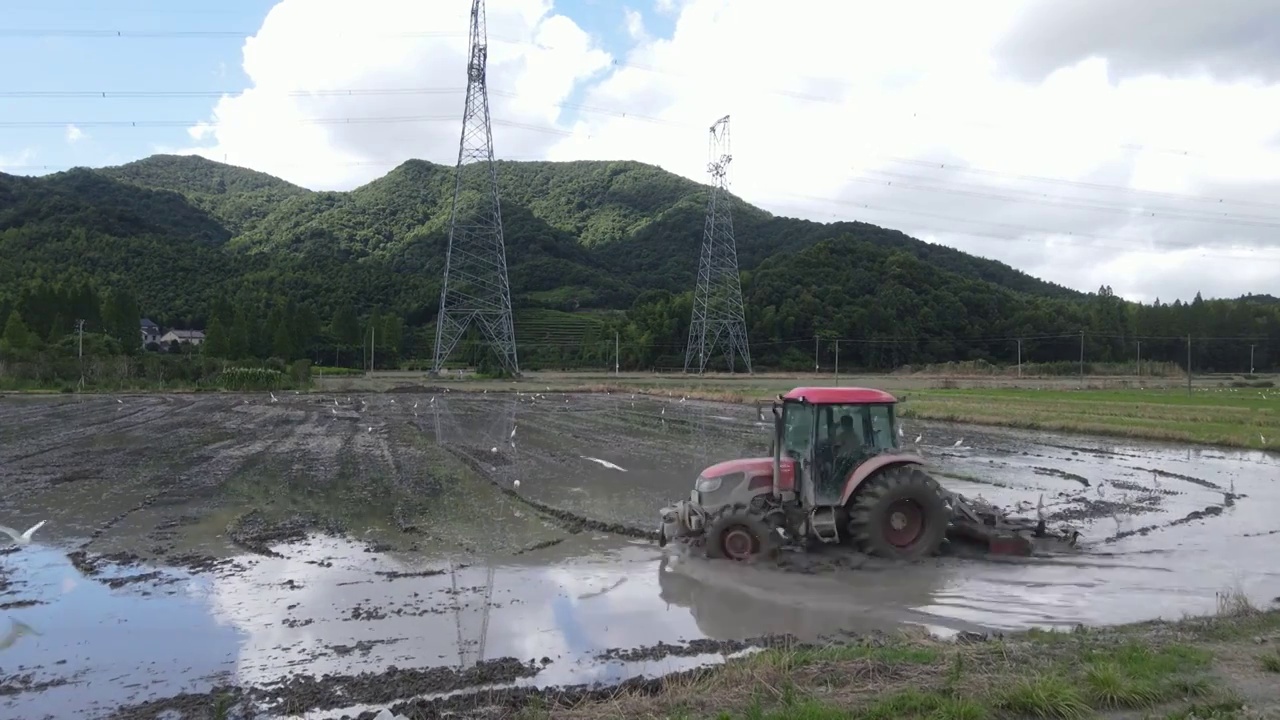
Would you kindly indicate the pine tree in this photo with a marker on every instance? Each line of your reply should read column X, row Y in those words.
column 217, row 341
column 16, row 337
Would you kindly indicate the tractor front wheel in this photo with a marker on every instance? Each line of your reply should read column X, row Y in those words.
column 899, row 513
column 737, row 533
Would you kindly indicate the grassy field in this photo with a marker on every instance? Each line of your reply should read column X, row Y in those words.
column 1224, row 666
column 1215, row 412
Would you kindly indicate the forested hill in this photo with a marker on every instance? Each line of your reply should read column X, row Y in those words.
column 187, row 238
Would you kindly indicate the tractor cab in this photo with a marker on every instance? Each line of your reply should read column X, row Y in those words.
column 829, row 432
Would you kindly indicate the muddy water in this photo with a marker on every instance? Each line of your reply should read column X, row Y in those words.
column 162, row 478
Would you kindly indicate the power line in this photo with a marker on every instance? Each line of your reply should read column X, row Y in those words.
column 1096, row 240
column 49, row 33
column 961, row 168
column 138, row 94
column 951, row 119
column 372, row 120
column 1249, row 221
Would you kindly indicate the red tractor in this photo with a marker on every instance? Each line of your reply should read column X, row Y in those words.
column 837, row 474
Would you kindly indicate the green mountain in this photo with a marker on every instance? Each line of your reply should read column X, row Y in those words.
column 593, row 249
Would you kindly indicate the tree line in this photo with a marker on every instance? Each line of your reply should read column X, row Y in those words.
column 887, row 308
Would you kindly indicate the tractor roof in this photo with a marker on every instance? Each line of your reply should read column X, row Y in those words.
column 840, row 395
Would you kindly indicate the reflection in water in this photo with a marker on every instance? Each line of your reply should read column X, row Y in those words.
column 112, row 645
column 17, row 629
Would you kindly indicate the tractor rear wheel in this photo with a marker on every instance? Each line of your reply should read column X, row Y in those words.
column 738, row 533
column 899, row 513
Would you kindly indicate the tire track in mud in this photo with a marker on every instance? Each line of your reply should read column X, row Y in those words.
column 77, row 431
column 187, row 481
column 1184, row 478
column 570, row 522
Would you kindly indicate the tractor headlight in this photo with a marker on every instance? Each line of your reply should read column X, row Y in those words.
column 707, row 485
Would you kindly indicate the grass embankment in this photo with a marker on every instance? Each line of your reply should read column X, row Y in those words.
column 1235, row 418
column 1230, row 417
column 1219, row 667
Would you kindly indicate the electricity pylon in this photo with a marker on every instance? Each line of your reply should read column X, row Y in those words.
column 475, row 286
column 718, row 315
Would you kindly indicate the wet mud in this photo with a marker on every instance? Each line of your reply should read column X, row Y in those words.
column 334, row 554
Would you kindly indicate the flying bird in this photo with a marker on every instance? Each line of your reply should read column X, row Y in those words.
column 24, row 538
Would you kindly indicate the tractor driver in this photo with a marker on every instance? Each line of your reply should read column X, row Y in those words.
column 847, row 442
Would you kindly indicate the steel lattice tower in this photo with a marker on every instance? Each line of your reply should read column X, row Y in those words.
column 475, row 283
column 718, row 315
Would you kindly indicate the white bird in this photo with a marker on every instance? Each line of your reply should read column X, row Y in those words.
column 516, row 483
column 370, row 428
column 393, row 401
column 16, row 630
column 493, row 449
column 605, row 463
column 513, row 432
column 118, row 400
column 901, row 432
column 24, row 538
column 415, row 404
column 919, row 438
column 333, row 410
column 433, row 399
column 1263, row 439
column 273, row 398
column 335, row 402
column 958, row 442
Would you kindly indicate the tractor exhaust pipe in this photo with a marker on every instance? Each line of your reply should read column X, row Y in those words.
column 777, row 449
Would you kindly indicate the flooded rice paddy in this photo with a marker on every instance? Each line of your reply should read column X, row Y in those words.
column 331, row 555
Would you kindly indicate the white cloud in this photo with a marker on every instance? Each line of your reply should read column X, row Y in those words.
column 635, row 23
column 844, row 118
column 75, row 134
column 536, row 58
column 823, row 122
column 14, row 163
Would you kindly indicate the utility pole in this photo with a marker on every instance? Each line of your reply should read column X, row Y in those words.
column 1081, row 358
column 1188, row 364
column 1139, row 358
column 617, row 357
column 718, row 314
column 1251, row 368
column 815, row 355
column 1019, row 341
column 373, row 347
column 837, row 362
column 80, row 348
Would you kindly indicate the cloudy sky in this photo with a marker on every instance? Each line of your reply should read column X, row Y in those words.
column 1132, row 144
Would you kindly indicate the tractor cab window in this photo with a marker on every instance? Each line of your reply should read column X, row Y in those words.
column 797, row 430
column 852, row 430
column 884, row 432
